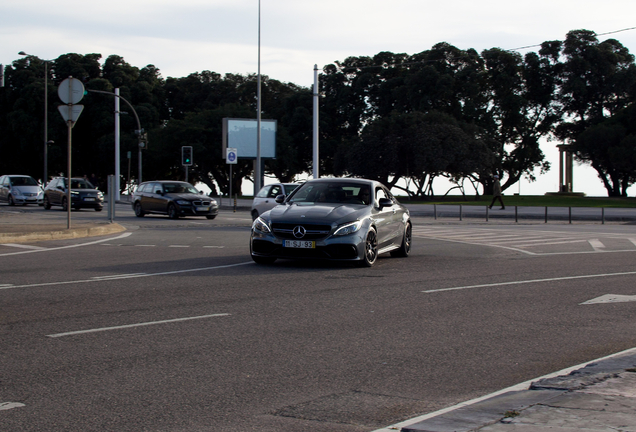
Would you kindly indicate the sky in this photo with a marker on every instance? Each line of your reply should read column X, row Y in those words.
column 186, row 36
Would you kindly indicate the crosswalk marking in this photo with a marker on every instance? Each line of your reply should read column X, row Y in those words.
column 530, row 242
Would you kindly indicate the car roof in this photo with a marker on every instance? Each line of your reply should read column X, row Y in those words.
column 165, row 181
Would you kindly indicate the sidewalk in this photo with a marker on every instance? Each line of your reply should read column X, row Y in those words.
column 598, row 396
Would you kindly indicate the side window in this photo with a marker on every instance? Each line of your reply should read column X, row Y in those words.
column 379, row 194
column 263, row 192
column 142, row 188
column 274, row 192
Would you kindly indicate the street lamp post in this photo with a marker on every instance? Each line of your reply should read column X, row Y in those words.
column 46, row 116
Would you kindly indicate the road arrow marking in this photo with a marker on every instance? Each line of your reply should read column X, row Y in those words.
column 10, row 405
column 611, row 298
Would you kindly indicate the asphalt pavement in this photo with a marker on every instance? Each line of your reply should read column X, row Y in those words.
column 597, row 396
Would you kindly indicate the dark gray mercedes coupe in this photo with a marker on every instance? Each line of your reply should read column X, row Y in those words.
column 333, row 219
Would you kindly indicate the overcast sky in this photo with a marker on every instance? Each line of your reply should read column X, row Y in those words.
column 185, row 36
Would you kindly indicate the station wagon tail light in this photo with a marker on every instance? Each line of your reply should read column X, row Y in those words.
column 348, row 228
column 260, row 225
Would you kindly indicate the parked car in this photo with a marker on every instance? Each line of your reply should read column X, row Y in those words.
column 83, row 194
column 265, row 199
column 19, row 189
column 333, row 219
column 173, row 198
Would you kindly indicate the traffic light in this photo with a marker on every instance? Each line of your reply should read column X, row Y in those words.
column 186, row 155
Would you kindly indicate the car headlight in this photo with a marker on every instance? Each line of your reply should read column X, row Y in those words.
column 16, row 192
column 261, row 226
column 348, row 228
column 74, row 193
column 182, row 202
column 100, row 195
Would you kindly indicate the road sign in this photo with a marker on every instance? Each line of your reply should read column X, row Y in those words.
column 70, row 112
column 231, row 156
column 71, row 91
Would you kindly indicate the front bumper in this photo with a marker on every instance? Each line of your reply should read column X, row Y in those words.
column 336, row 248
column 193, row 210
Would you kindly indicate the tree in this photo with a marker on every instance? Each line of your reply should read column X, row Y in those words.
column 610, row 147
column 597, row 81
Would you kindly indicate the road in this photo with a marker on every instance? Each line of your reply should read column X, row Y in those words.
column 171, row 327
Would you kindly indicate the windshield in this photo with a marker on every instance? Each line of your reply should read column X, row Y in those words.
column 289, row 188
column 331, row 192
column 23, row 181
column 179, row 188
column 80, row 184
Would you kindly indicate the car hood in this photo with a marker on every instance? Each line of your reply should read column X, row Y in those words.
column 315, row 213
column 27, row 189
column 188, row 196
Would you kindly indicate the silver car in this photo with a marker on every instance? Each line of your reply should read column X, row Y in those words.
column 19, row 189
column 265, row 199
column 333, row 219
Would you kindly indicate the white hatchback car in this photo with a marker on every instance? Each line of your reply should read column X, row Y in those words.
column 19, row 189
column 265, row 199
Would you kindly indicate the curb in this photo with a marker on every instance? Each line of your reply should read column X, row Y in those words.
column 91, row 231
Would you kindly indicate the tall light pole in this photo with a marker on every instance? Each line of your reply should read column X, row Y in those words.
column 46, row 116
column 257, row 169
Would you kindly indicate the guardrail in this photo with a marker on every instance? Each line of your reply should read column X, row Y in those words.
column 569, row 214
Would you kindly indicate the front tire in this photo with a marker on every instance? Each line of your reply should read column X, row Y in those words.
column 405, row 247
column 138, row 211
column 210, row 217
column 172, row 212
column 370, row 248
column 11, row 201
column 46, row 203
column 98, row 208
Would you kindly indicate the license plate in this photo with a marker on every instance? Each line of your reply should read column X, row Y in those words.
column 203, row 209
column 89, row 199
column 299, row 244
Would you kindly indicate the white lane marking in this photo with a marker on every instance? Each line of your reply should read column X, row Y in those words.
column 481, row 244
column 633, row 240
column 596, row 244
column 117, row 276
column 10, row 405
column 517, row 387
column 124, row 235
column 179, row 246
column 132, row 276
column 611, row 298
column 145, row 245
column 57, row 335
column 23, row 246
column 214, row 247
column 531, row 281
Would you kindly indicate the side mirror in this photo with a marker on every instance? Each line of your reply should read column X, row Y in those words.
column 385, row 202
column 200, row 192
column 159, row 192
column 279, row 199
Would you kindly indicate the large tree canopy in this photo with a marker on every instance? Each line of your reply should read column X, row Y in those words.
column 403, row 119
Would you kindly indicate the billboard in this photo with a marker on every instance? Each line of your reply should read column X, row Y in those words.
column 241, row 135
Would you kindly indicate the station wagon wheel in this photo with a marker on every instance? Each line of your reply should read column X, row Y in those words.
column 172, row 212
column 405, row 247
column 64, row 204
column 370, row 248
column 210, row 216
column 138, row 211
column 47, row 204
column 11, row 201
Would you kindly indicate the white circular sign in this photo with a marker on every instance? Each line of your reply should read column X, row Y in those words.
column 232, row 156
column 71, row 91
